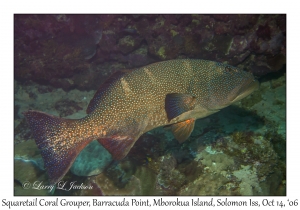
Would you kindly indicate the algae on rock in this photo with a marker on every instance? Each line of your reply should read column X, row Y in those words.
column 248, row 180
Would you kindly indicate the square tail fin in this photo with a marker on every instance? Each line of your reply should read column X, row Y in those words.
column 58, row 149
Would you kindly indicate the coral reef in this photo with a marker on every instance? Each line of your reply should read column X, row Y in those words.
column 216, row 162
column 249, row 180
column 129, row 43
column 59, row 50
column 28, row 167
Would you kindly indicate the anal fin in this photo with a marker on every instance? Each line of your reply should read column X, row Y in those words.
column 117, row 146
column 183, row 130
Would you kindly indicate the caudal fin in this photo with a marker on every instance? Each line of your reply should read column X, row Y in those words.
column 55, row 138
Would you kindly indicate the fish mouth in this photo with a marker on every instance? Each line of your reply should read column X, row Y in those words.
column 246, row 89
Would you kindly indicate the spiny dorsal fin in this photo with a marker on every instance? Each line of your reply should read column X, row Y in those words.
column 178, row 103
column 97, row 97
column 183, row 130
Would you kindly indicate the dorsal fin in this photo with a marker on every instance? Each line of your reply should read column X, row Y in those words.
column 114, row 77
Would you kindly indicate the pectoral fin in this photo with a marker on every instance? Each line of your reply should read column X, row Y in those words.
column 183, row 130
column 178, row 103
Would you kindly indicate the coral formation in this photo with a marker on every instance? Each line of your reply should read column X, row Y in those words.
column 57, row 49
column 249, row 180
column 216, row 162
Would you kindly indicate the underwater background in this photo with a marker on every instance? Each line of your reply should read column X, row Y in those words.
column 61, row 60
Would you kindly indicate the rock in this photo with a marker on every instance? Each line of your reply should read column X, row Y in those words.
column 142, row 182
column 92, row 160
column 29, row 179
column 147, row 180
column 108, row 187
column 29, row 172
column 209, row 184
column 216, row 162
column 249, row 180
column 28, row 151
column 65, row 47
column 129, row 43
column 95, row 191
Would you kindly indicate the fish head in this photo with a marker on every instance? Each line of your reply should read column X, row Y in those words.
column 228, row 84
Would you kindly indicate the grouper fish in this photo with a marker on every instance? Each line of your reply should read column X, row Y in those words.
column 170, row 93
